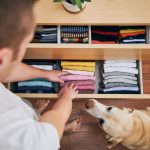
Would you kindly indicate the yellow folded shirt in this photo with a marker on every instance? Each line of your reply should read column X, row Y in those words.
column 70, row 63
column 80, row 68
column 131, row 30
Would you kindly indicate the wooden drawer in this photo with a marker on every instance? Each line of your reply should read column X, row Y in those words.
column 88, row 51
column 99, row 96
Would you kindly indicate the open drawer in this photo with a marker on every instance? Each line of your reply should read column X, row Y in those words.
column 94, row 51
column 141, row 95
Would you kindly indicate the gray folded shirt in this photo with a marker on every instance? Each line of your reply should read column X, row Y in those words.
column 117, row 73
column 118, row 84
column 122, row 76
column 120, row 80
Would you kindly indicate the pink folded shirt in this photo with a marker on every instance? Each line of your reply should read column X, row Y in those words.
column 84, row 73
column 76, row 77
column 80, row 82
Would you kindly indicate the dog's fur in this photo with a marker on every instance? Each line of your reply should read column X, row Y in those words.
column 129, row 127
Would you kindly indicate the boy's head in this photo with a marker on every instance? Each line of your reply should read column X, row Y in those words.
column 16, row 31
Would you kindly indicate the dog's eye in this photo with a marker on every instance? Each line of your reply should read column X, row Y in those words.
column 109, row 108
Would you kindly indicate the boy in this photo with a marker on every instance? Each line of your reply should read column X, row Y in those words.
column 20, row 128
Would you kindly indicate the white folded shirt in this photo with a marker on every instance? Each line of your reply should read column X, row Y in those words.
column 43, row 67
column 120, row 64
column 135, row 40
column 115, row 61
column 121, row 69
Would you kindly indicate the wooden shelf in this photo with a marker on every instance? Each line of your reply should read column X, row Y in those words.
column 88, row 51
column 86, row 96
column 98, row 12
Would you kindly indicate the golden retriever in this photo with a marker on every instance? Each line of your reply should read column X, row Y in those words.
column 129, row 127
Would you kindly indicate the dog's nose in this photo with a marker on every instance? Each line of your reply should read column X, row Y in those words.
column 89, row 104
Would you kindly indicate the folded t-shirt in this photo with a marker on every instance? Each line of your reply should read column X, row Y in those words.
column 76, row 77
column 85, row 73
column 79, row 82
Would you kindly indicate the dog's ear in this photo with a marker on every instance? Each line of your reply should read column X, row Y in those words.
column 128, row 110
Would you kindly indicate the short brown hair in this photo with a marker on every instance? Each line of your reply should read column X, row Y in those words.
column 16, row 20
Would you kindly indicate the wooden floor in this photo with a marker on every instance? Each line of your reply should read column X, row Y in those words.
column 91, row 137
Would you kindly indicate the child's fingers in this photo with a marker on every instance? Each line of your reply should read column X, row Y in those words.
column 74, row 88
column 76, row 91
column 64, row 73
column 71, row 85
column 66, row 86
column 60, row 81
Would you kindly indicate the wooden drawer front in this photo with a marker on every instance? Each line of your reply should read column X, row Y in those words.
column 88, row 52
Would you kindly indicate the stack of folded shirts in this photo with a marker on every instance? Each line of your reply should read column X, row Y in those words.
column 81, row 74
column 120, row 77
column 74, row 34
column 132, row 34
column 45, row 34
column 37, row 85
column 104, row 34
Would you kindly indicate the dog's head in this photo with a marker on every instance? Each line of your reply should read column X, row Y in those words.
column 114, row 121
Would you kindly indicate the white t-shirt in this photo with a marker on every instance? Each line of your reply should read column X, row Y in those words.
column 19, row 130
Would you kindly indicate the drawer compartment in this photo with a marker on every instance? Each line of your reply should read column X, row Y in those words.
column 46, row 34
column 13, row 87
column 37, row 85
column 120, row 77
column 74, row 34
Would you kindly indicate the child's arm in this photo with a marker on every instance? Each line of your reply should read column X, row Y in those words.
column 25, row 72
column 61, row 111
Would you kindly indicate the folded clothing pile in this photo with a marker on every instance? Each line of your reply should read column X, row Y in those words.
column 45, row 34
column 120, row 77
column 82, row 74
column 74, row 34
column 132, row 34
column 104, row 34
column 38, row 85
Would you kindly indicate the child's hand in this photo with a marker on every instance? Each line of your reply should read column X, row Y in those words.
column 54, row 75
column 68, row 92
